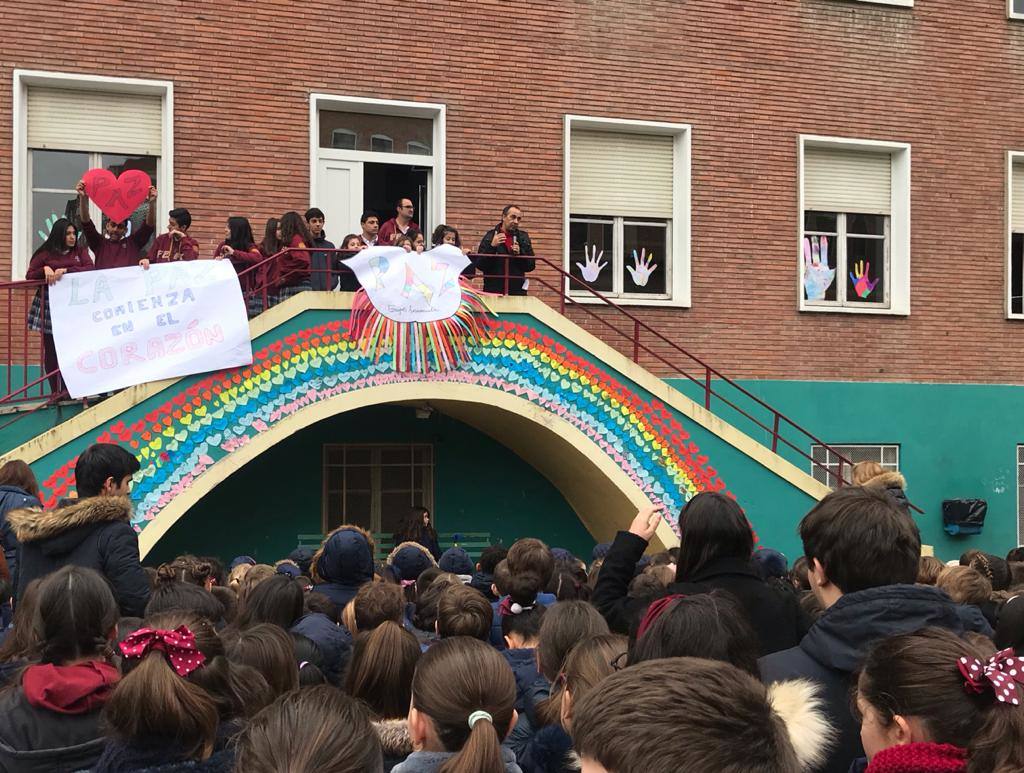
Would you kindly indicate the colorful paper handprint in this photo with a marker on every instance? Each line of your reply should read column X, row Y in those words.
column 818, row 277
column 642, row 269
column 591, row 267
column 862, row 283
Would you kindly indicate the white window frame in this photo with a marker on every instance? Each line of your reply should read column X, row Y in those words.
column 1010, row 13
column 437, row 112
column 843, row 267
column 897, row 3
column 384, row 138
column 847, row 469
column 1012, row 156
column 898, row 250
column 419, row 146
column 346, row 133
column 21, row 231
column 679, row 235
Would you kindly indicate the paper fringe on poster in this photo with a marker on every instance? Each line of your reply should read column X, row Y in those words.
column 420, row 347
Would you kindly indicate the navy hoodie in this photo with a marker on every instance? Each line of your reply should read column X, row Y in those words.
column 345, row 564
column 833, row 649
column 13, row 498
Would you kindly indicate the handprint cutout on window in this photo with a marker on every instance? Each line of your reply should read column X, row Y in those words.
column 818, row 277
column 642, row 269
column 860, row 278
column 592, row 266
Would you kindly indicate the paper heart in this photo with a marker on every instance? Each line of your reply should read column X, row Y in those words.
column 117, row 197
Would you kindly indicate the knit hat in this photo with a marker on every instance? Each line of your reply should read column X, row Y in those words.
column 456, row 561
column 302, row 557
column 237, row 560
column 288, row 568
column 561, row 554
column 409, row 560
column 770, row 563
column 920, row 758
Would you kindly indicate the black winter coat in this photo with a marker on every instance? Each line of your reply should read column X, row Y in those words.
column 13, row 498
column 334, row 642
column 324, row 265
column 95, row 533
column 833, row 649
column 35, row 739
column 774, row 614
column 492, row 262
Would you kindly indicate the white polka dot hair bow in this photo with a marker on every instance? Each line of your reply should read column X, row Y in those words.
column 1002, row 673
column 179, row 646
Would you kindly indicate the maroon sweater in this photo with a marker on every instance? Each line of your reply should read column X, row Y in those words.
column 292, row 267
column 167, row 250
column 119, row 254
column 77, row 259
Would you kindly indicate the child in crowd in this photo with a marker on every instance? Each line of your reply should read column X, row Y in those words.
column 406, row 563
column 483, row 577
column 62, row 253
column 930, row 701
column 114, row 249
column 348, row 281
column 343, row 563
column 323, row 265
column 174, row 245
column 462, row 611
column 268, row 649
column 318, row 729
column 928, row 570
column 463, row 696
column 380, row 675
column 419, row 243
column 277, row 600
column 691, row 714
column 457, row 561
column 239, row 246
column 290, row 274
column 376, row 603
column 404, row 241
column 529, row 557
column 521, row 617
column 19, row 489
column 50, row 719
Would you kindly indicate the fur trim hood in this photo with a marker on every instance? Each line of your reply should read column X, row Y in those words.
column 800, row 706
column 33, row 524
column 394, row 737
column 410, row 560
column 345, row 556
column 888, row 480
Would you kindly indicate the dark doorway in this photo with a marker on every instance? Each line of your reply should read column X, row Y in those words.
column 384, row 184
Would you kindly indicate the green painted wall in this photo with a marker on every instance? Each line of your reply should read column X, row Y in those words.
column 956, row 441
column 479, row 485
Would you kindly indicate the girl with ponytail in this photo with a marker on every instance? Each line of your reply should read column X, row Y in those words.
column 930, row 701
column 462, row 707
column 179, row 700
column 50, row 719
column 380, row 675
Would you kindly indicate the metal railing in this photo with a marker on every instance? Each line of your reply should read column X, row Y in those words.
column 264, row 283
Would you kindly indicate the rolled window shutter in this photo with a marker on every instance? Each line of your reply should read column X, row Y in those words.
column 1017, row 194
column 617, row 173
column 97, row 121
column 839, row 180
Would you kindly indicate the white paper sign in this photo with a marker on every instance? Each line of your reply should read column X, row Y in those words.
column 411, row 286
column 125, row 326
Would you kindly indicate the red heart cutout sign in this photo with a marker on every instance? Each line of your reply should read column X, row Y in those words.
column 117, row 197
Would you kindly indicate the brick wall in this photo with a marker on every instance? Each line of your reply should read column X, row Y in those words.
column 945, row 76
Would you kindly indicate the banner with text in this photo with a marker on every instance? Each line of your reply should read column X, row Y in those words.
column 126, row 326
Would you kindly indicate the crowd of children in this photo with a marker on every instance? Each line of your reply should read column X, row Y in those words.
column 709, row 656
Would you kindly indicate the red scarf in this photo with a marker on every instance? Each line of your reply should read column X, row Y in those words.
column 76, row 689
column 920, row 758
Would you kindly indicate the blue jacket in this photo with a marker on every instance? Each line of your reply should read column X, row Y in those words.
column 343, row 565
column 524, row 667
column 13, row 498
column 833, row 649
column 549, row 751
column 497, row 637
column 333, row 640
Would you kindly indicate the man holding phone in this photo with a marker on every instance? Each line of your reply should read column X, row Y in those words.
column 506, row 255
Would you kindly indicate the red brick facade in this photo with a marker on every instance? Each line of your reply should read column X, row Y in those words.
column 946, row 76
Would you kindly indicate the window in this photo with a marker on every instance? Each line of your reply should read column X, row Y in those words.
column 381, row 143
column 417, row 148
column 1015, row 206
column 1015, row 9
column 374, row 486
column 344, row 139
column 67, row 124
column 900, row 3
column 628, row 210
column 855, row 231
column 826, row 467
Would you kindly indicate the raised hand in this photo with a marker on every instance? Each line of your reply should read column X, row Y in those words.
column 642, row 269
column 818, row 277
column 859, row 276
column 591, row 267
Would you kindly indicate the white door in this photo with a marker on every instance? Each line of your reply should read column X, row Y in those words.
column 340, row 195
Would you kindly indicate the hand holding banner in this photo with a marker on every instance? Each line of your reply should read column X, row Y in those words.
column 126, row 326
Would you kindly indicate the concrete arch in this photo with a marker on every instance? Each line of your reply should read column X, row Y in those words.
column 598, row 490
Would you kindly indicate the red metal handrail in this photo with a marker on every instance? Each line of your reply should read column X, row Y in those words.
column 258, row 285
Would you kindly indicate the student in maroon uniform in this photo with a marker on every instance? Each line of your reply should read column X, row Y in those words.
column 62, row 253
column 112, row 249
column 291, row 274
column 239, row 246
column 176, row 244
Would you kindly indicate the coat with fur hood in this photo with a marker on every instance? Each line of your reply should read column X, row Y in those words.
column 95, row 533
column 395, row 742
column 895, row 485
column 343, row 564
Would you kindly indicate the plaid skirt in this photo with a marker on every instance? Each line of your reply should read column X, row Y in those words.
column 38, row 319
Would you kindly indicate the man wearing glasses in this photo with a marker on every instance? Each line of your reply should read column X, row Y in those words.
column 506, row 255
column 401, row 224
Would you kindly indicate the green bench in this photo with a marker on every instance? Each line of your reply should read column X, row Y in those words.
column 473, row 542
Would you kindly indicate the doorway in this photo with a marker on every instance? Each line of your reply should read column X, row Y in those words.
column 385, row 184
